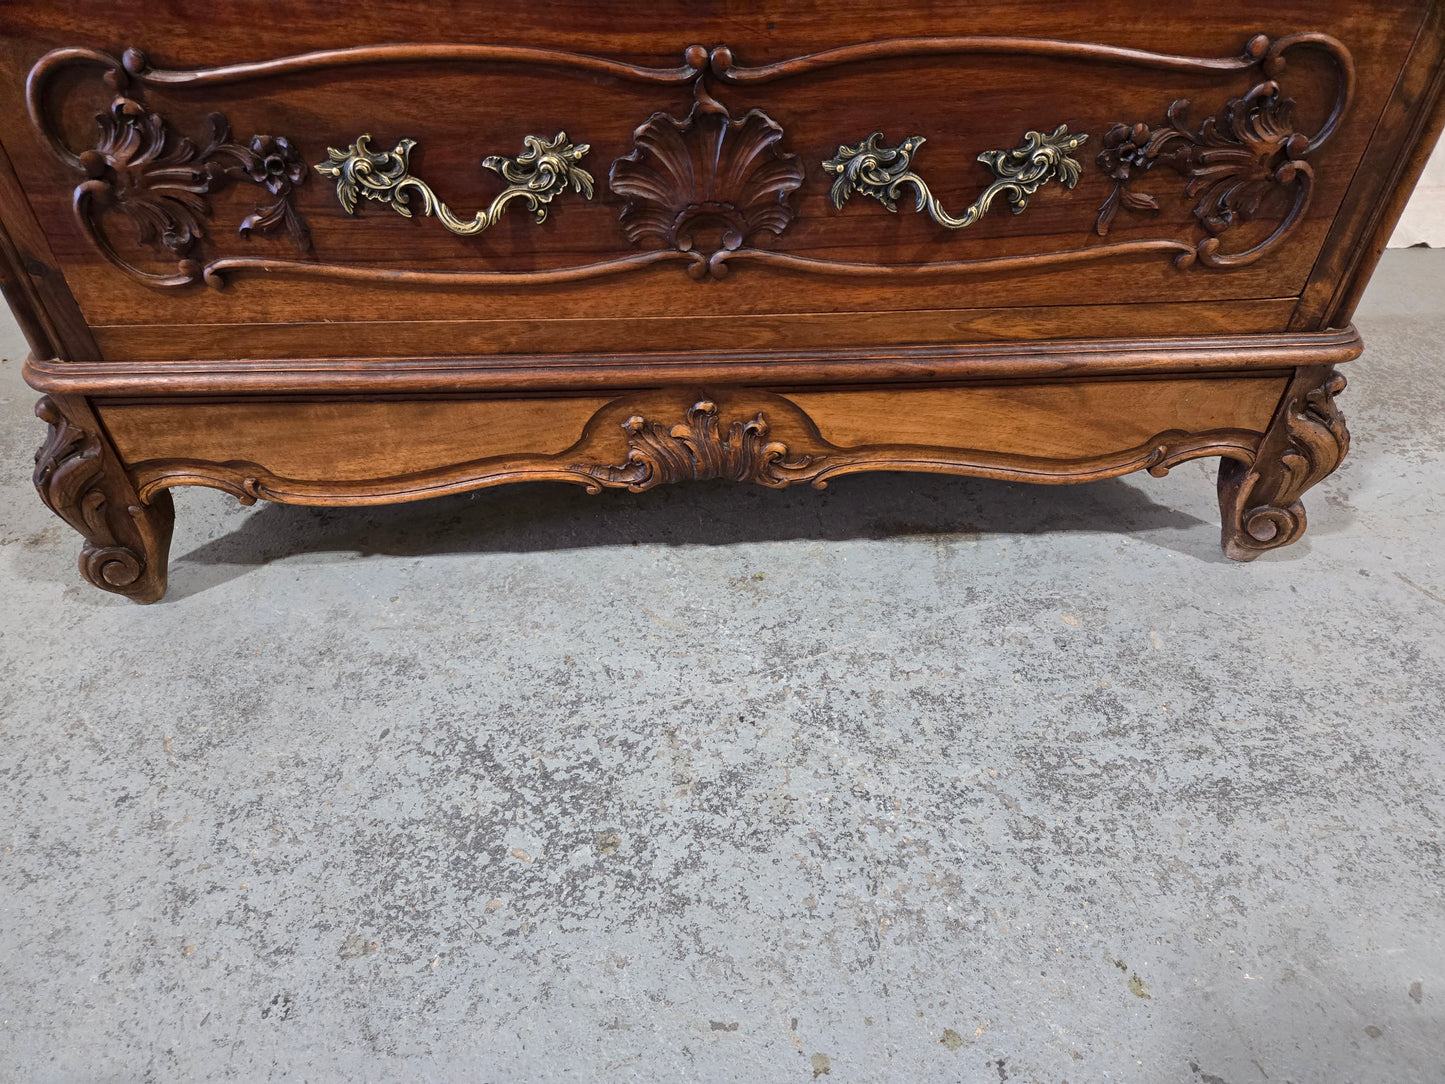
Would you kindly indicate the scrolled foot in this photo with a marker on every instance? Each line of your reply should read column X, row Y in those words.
column 1259, row 502
column 81, row 480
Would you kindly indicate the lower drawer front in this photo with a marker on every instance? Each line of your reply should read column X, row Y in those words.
column 358, row 451
column 598, row 183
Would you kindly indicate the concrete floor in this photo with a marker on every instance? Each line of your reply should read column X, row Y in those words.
column 919, row 778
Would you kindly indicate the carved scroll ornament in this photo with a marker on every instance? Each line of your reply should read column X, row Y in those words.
column 125, row 540
column 1232, row 162
column 696, row 450
column 160, row 180
column 1260, row 500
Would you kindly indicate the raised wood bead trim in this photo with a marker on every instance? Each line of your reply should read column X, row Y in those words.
column 1062, row 358
column 1412, row 123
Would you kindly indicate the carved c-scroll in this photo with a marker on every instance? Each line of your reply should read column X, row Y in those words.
column 160, row 180
column 1259, row 501
column 79, row 480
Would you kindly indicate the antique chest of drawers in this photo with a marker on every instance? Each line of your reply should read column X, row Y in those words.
column 373, row 252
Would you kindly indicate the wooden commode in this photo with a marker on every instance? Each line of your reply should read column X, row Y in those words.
column 350, row 254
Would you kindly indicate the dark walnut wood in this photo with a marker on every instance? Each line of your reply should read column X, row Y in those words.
column 1235, row 160
column 203, row 253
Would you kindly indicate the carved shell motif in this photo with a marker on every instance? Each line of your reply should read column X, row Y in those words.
column 705, row 183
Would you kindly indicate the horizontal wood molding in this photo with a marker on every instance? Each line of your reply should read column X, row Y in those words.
column 519, row 373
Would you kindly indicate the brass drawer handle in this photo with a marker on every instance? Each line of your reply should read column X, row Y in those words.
column 542, row 171
column 883, row 172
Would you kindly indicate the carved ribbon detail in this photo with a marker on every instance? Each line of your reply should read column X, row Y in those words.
column 547, row 168
column 884, row 172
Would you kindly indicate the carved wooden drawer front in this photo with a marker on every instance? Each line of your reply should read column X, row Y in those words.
column 344, row 254
column 746, row 193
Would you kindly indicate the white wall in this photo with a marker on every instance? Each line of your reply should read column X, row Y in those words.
column 1424, row 217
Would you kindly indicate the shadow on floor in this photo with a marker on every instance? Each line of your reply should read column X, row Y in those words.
column 545, row 517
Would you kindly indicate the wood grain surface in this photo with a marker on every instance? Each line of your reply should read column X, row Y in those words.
column 969, row 80
column 339, row 451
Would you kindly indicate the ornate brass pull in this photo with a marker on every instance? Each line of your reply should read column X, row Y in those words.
column 545, row 169
column 883, row 172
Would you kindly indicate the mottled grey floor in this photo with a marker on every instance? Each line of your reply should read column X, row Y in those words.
column 914, row 779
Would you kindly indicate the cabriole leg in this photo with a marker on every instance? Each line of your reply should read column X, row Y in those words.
column 1260, row 501
column 80, row 478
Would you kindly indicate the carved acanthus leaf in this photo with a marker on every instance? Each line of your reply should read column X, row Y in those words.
column 1232, row 162
column 697, row 449
column 160, row 180
column 70, row 476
